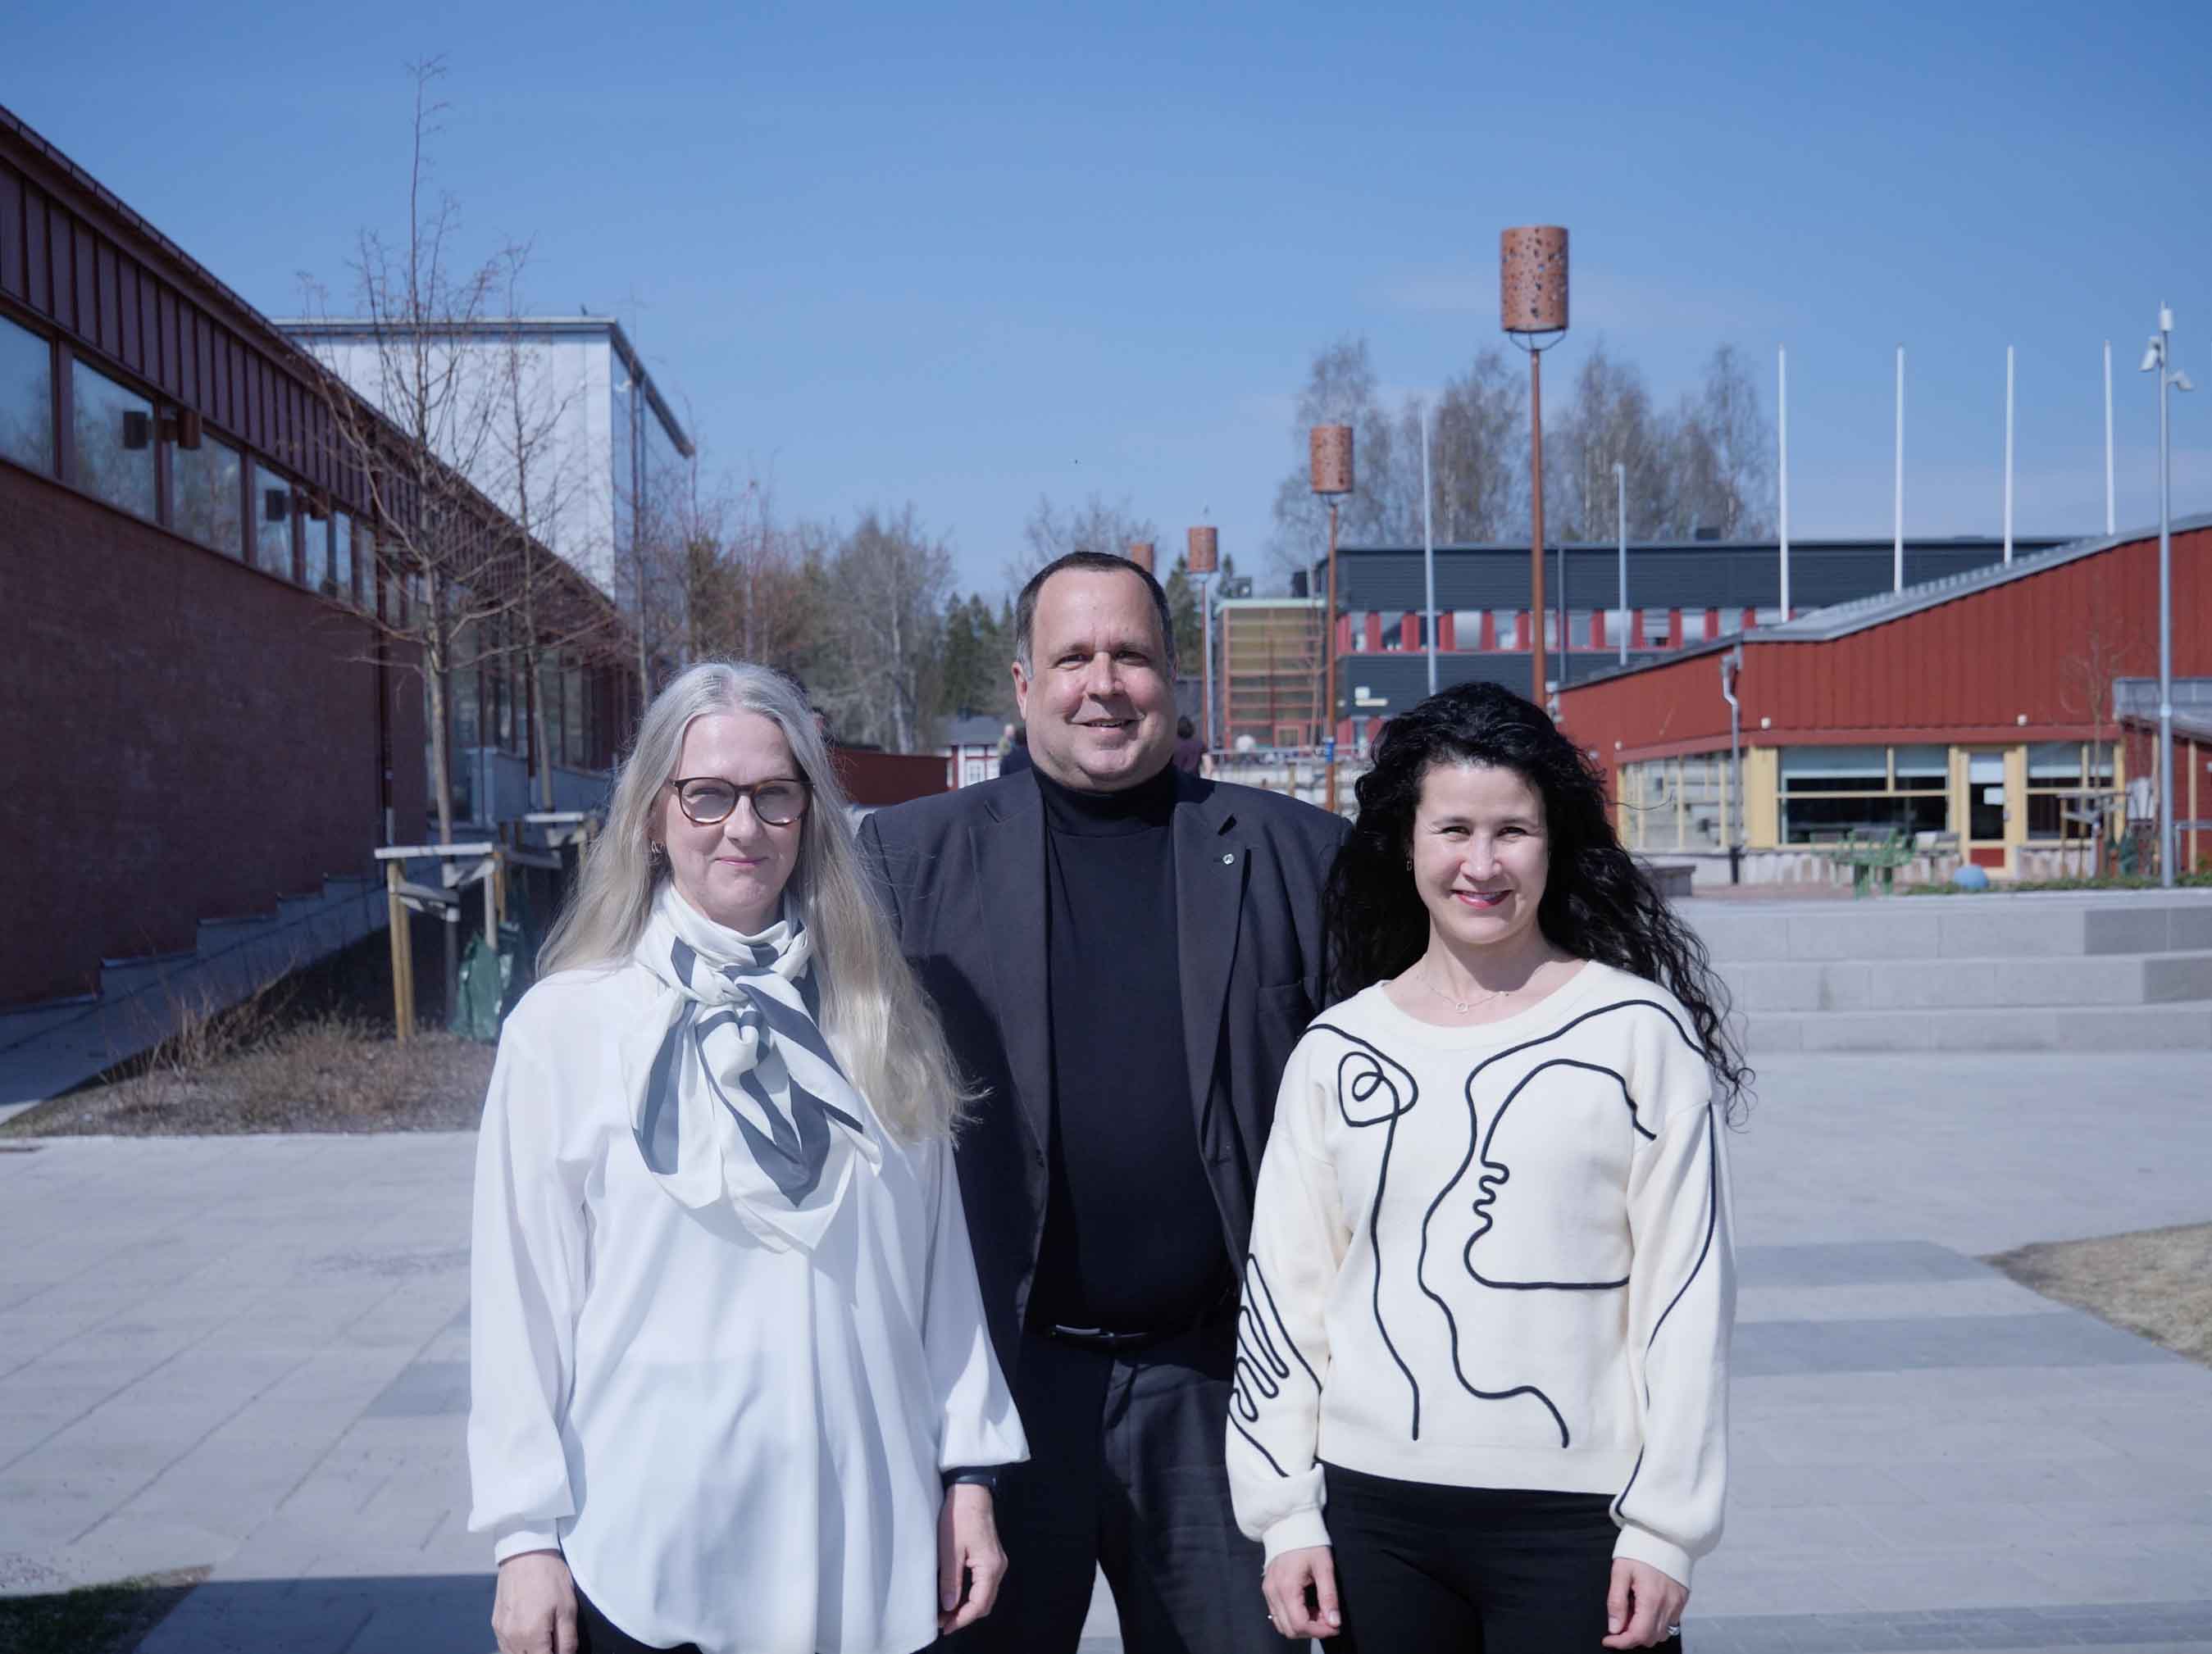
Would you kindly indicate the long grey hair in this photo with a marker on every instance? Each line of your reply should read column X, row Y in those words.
column 873, row 1013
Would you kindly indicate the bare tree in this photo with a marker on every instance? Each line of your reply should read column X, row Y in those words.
column 1386, row 508
column 890, row 579
column 746, row 589
column 2107, row 647
column 1608, row 421
column 1479, row 439
column 439, row 559
column 1095, row 525
column 1723, row 447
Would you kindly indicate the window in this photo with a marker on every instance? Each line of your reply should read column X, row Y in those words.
column 204, row 488
column 1828, row 791
column 26, row 398
column 549, row 707
column 2070, row 790
column 572, row 712
column 1677, row 803
column 315, row 555
column 1507, row 624
column 341, row 581
column 114, row 433
column 272, row 523
column 1921, row 769
column 1656, row 624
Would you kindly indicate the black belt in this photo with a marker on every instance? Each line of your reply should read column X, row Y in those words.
column 1221, row 1310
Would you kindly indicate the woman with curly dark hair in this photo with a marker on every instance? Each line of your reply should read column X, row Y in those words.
column 1487, row 1309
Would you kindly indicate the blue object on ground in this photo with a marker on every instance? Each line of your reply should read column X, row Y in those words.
column 1971, row 877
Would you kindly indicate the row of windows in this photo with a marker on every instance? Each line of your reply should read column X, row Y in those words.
column 1587, row 628
column 217, row 495
column 1685, row 803
column 233, row 503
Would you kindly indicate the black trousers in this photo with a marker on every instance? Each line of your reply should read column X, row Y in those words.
column 1468, row 1570
column 597, row 1634
column 1126, row 1475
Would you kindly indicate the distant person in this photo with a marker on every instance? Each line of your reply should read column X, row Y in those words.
column 731, row 1384
column 1124, row 954
column 1016, row 759
column 1189, row 749
column 1491, row 1275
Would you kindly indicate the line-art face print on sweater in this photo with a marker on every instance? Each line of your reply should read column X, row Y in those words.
column 1492, row 1258
column 1545, row 1139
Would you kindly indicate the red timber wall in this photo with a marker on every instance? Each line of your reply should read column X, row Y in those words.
column 873, row 779
column 1969, row 670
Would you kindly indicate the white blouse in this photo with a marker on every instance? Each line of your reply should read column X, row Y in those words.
column 733, row 1446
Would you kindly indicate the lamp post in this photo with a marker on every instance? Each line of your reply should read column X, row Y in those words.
column 1620, row 524
column 1532, row 303
column 1330, row 466
column 2158, row 358
column 1201, row 556
column 1782, row 462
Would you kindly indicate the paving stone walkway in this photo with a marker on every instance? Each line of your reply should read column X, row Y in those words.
column 251, row 1353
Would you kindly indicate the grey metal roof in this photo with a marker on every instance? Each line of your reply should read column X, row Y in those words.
column 1662, row 575
column 2137, row 700
column 977, row 729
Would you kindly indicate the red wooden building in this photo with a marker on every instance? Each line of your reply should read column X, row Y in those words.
column 1979, row 713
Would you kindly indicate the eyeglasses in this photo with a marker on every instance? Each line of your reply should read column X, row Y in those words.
column 707, row 800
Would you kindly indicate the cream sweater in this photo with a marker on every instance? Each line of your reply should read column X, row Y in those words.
column 1495, row 1257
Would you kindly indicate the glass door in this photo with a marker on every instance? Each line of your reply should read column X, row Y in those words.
column 1989, row 810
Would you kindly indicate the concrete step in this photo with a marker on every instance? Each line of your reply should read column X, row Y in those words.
column 45, row 1050
column 121, row 978
column 2183, row 1026
column 1910, row 984
column 2034, row 926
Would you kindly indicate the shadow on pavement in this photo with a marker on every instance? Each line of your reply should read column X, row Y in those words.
column 435, row 1613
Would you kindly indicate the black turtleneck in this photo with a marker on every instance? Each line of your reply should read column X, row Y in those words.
column 1133, row 1239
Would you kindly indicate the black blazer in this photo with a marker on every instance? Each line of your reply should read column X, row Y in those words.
column 962, row 875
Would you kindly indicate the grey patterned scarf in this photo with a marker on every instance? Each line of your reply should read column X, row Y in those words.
column 735, row 1096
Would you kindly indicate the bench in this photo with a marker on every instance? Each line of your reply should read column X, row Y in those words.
column 1873, row 857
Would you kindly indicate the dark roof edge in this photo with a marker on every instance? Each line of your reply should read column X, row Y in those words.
column 135, row 226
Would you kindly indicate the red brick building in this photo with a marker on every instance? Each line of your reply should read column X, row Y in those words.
column 197, row 714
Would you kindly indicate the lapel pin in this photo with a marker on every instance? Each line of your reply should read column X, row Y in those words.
column 1228, row 856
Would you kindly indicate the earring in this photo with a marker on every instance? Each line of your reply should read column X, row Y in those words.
column 656, row 854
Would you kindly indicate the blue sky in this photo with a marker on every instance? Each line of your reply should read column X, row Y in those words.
column 963, row 256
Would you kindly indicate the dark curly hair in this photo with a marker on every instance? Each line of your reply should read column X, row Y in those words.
column 1598, row 904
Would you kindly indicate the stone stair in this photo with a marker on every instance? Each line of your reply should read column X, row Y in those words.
column 2104, row 970
column 46, row 1048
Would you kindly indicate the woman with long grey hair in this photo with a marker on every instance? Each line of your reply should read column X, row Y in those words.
column 731, row 1384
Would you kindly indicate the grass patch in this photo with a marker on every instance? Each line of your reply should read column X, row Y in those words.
column 2154, row 1281
column 109, row 1618
column 2015, row 887
column 314, row 1051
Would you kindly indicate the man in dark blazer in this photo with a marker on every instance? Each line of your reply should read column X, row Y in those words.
column 1123, row 954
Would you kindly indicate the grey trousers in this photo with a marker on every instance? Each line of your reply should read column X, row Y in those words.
column 1126, row 1475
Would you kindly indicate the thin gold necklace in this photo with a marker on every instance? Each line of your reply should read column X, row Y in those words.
column 1463, row 1006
